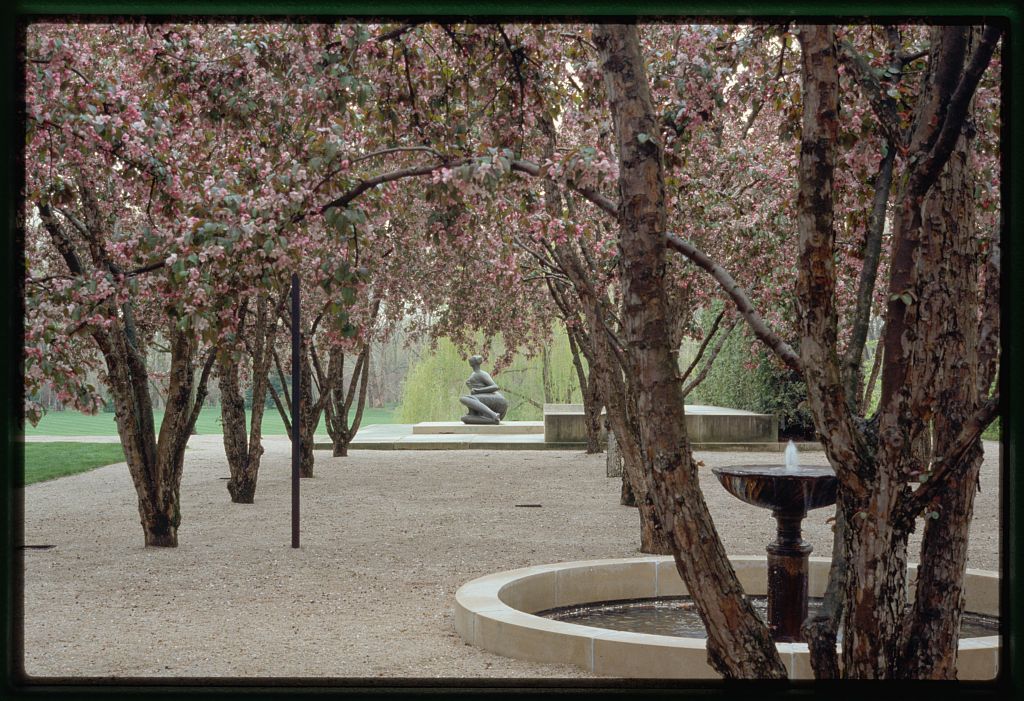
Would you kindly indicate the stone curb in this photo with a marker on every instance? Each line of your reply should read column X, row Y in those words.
column 495, row 612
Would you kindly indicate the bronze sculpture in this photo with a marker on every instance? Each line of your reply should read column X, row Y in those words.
column 485, row 403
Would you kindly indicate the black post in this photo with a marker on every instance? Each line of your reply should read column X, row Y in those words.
column 296, row 398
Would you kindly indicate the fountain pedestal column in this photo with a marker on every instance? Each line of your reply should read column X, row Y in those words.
column 790, row 494
column 787, row 577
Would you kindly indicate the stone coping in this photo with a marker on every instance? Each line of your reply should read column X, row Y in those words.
column 530, row 442
column 494, row 612
column 459, row 428
column 703, row 409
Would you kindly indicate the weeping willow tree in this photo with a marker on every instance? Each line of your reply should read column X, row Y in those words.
column 435, row 382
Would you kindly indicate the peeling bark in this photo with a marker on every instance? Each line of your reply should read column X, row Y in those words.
column 341, row 400
column 738, row 644
column 244, row 448
column 949, row 296
column 928, row 418
column 155, row 462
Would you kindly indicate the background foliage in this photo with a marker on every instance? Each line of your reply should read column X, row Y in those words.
column 744, row 376
column 435, row 383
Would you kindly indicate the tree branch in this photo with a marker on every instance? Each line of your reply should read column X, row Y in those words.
column 927, row 171
column 704, row 344
column 204, row 377
column 395, row 33
column 883, row 106
column 739, row 297
column 398, row 149
column 702, row 375
column 950, row 466
column 373, row 182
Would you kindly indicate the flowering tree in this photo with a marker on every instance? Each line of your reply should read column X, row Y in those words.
column 933, row 315
column 100, row 269
column 507, row 175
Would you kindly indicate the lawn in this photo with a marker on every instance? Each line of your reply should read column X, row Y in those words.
column 47, row 461
column 72, row 423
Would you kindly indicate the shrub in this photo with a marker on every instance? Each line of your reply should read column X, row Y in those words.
column 745, row 376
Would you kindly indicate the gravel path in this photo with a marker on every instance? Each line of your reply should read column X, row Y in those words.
column 387, row 538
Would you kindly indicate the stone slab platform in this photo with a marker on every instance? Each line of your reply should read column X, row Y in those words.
column 401, row 437
column 505, row 428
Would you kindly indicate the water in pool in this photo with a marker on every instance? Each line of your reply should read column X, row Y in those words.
column 677, row 615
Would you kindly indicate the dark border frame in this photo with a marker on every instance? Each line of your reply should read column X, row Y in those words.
column 1011, row 677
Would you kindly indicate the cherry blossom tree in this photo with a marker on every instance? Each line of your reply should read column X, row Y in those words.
column 508, row 175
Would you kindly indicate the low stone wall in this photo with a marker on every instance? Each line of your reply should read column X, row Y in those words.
column 732, row 428
column 565, row 423
column 495, row 612
column 505, row 428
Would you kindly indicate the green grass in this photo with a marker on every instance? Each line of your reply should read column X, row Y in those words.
column 72, row 423
column 47, row 461
column 993, row 432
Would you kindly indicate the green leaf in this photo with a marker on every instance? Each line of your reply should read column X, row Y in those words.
column 642, row 138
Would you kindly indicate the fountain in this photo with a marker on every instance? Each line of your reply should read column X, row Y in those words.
column 790, row 491
column 633, row 617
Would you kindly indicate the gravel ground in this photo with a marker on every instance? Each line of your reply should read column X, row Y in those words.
column 387, row 538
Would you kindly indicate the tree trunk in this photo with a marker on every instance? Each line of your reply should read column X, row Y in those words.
column 154, row 462
column 821, row 630
column 592, row 406
column 309, row 412
column 739, row 644
column 621, row 416
column 613, row 459
column 950, row 295
column 876, row 588
column 592, row 403
column 875, row 585
column 339, row 400
column 244, row 449
column 628, row 498
column 241, row 485
column 875, row 468
column 545, row 373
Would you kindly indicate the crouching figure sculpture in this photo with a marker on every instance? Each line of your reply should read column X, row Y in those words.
column 485, row 403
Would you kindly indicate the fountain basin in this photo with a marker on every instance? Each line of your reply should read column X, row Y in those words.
column 775, row 487
column 790, row 492
column 495, row 613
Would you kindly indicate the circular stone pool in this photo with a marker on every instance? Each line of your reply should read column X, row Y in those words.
column 498, row 613
column 678, row 616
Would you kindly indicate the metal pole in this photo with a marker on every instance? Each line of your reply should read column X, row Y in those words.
column 296, row 398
